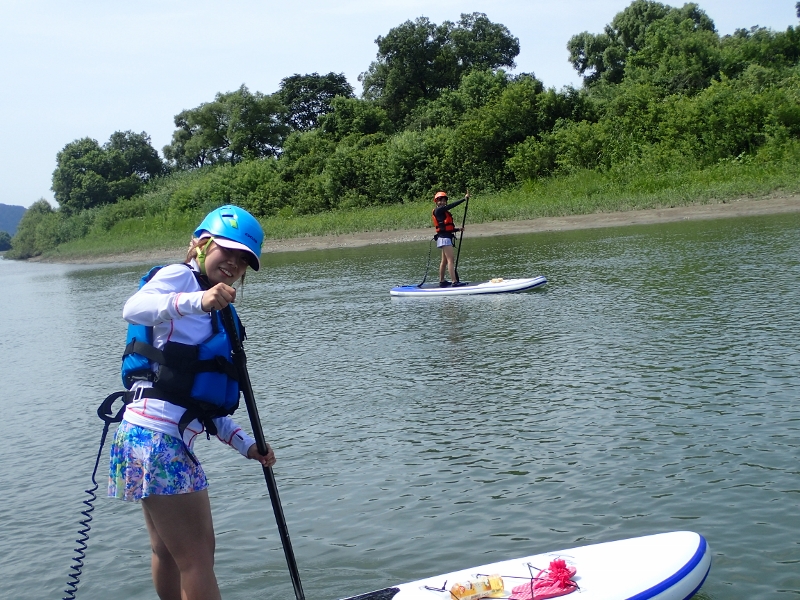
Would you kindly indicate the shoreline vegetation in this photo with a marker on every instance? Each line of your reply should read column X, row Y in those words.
column 669, row 114
column 716, row 209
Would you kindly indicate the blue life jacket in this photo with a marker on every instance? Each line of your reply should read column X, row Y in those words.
column 139, row 350
column 201, row 378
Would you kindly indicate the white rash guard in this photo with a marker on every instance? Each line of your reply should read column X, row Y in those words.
column 170, row 303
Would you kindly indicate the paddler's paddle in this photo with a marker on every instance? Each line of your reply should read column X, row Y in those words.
column 461, row 237
column 240, row 360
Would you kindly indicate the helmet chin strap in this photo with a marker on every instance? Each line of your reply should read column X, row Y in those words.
column 201, row 256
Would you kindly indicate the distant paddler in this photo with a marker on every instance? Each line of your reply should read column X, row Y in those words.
column 445, row 235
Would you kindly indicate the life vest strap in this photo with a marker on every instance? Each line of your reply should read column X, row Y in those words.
column 202, row 411
column 194, row 410
column 149, row 351
column 195, row 413
column 213, row 365
column 217, row 365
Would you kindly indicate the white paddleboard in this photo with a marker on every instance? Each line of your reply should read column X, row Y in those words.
column 665, row 566
column 494, row 286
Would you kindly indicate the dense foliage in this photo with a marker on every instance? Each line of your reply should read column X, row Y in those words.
column 89, row 175
column 309, row 97
column 37, row 231
column 235, row 126
column 662, row 90
column 604, row 56
column 419, row 60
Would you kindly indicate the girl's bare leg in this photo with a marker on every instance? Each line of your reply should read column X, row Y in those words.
column 182, row 538
column 447, row 255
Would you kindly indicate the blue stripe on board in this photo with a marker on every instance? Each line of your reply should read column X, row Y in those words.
column 670, row 581
column 437, row 290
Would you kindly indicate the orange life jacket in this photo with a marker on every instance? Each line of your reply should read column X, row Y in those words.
column 446, row 227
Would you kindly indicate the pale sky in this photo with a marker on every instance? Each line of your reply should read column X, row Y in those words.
column 91, row 67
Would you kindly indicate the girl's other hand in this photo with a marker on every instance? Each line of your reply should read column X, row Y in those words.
column 218, row 297
column 266, row 460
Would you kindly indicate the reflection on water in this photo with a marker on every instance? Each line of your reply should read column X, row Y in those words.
column 651, row 386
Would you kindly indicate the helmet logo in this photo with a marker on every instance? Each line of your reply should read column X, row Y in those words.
column 229, row 217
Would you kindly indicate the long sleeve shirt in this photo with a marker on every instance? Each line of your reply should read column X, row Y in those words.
column 440, row 211
column 171, row 303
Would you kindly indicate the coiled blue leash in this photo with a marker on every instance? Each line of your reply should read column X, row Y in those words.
column 107, row 415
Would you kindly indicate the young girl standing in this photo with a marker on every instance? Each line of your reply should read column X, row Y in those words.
column 185, row 388
column 445, row 234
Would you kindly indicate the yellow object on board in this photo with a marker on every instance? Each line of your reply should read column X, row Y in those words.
column 490, row 586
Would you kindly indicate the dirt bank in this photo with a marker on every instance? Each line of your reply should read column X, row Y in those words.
column 732, row 208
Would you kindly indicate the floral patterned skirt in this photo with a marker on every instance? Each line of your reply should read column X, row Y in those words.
column 145, row 462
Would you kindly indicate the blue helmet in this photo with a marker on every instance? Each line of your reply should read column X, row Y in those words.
column 238, row 229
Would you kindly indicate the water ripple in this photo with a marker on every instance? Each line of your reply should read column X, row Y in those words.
column 651, row 386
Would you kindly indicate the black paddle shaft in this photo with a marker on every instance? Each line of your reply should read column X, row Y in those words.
column 461, row 237
column 240, row 360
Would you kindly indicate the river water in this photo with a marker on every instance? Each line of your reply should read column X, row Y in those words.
column 651, row 386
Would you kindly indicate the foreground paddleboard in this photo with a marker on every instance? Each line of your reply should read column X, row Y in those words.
column 665, row 566
column 495, row 286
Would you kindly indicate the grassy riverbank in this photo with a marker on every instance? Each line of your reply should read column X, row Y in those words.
column 583, row 192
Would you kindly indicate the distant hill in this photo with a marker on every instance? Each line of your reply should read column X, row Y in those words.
column 10, row 216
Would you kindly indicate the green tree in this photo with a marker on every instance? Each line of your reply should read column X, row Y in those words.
column 81, row 177
column 235, row 126
column 138, row 155
column 308, row 97
column 760, row 46
column 199, row 137
column 89, row 175
column 5, row 241
column 677, row 56
column 418, row 60
column 256, row 126
column 354, row 116
column 476, row 89
column 602, row 57
column 483, row 139
column 480, row 44
column 37, row 220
